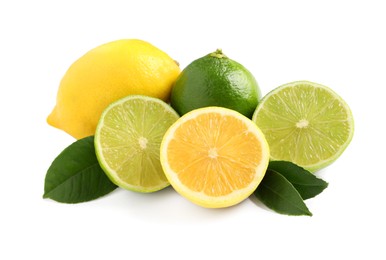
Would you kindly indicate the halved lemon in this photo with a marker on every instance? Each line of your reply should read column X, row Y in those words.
column 215, row 157
column 127, row 142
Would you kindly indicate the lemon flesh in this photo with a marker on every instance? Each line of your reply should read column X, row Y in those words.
column 127, row 142
column 305, row 123
column 215, row 157
column 105, row 74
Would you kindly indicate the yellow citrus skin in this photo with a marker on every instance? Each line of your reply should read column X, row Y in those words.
column 215, row 157
column 105, row 74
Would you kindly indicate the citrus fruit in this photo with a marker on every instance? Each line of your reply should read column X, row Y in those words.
column 105, row 74
column 127, row 142
column 305, row 123
column 214, row 156
column 215, row 80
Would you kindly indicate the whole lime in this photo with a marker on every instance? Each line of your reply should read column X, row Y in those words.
column 215, row 80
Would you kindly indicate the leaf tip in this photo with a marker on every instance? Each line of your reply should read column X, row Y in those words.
column 307, row 212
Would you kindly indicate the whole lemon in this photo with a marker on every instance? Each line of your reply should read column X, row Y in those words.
column 105, row 74
column 215, row 80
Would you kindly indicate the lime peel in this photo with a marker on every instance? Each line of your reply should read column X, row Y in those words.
column 305, row 123
column 127, row 142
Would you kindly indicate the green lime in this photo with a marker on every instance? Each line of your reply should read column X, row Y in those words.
column 127, row 142
column 215, row 80
column 305, row 123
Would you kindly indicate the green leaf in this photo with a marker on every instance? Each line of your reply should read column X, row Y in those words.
column 307, row 184
column 75, row 175
column 278, row 194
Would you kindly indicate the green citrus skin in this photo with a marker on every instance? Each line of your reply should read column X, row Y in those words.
column 215, row 80
column 305, row 123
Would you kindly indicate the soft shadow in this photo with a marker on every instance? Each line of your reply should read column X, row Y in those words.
column 258, row 203
column 165, row 206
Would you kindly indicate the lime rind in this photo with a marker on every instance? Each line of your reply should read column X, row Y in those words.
column 127, row 142
column 215, row 80
column 311, row 128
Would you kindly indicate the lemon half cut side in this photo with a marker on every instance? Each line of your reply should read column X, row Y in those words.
column 214, row 156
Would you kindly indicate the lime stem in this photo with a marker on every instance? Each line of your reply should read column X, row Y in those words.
column 218, row 54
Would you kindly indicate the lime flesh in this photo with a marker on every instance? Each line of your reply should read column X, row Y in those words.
column 127, row 142
column 305, row 123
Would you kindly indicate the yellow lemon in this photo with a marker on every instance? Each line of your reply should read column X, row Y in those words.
column 105, row 74
column 214, row 156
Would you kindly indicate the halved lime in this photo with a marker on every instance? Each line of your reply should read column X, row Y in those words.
column 305, row 123
column 128, row 139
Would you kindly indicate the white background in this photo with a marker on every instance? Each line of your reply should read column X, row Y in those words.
column 340, row 44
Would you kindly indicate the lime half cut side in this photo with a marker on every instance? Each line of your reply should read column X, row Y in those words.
column 305, row 123
column 128, row 139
